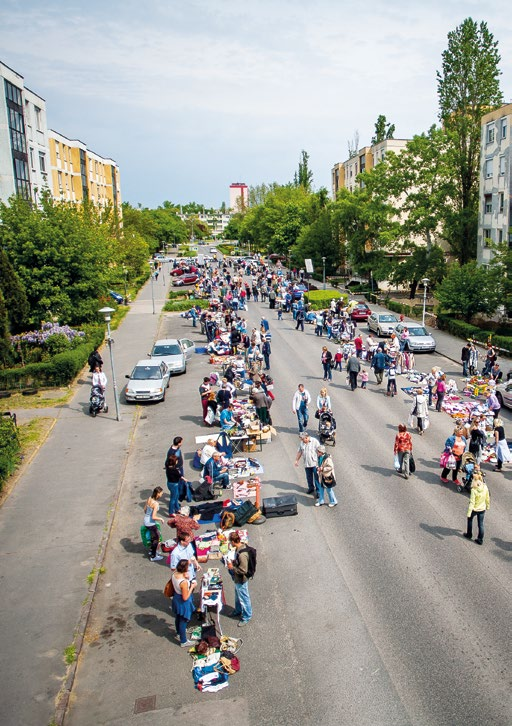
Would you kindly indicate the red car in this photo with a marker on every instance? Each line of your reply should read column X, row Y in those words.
column 187, row 279
column 361, row 312
column 183, row 270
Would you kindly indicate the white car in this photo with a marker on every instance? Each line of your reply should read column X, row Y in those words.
column 419, row 340
column 504, row 394
column 148, row 381
column 382, row 323
column 174, row 353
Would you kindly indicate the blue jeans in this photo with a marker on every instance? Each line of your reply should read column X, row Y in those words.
column 222, row 479
column 312, row 479
column 302, row 418
column 243, row 601
column 181, row 627
column 330, row 494
column 174, row 504
column 480, row 520
column 327, row 371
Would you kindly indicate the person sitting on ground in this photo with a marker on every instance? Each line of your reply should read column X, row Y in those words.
column 184, row 523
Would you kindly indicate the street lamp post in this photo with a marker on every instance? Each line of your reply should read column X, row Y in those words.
column 107, row 314
column 426, row 283
column 323, row 264
column 152, row 289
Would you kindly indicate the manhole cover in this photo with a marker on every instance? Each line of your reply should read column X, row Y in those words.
column 147, row 703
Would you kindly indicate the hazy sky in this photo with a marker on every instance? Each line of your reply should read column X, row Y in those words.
column 190, row 96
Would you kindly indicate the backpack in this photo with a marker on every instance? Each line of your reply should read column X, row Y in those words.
column 251, row 565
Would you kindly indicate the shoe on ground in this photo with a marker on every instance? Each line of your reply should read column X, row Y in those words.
column 333, row 505
column 187, row 644
column 444, row 480
column 457, row 482
column 156, row 558
column 243, row 623
column 479, row 541
column 310, row 491
column 467, row 536
column 319, row 504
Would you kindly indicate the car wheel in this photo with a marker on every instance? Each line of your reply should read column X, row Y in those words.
column 379, row 333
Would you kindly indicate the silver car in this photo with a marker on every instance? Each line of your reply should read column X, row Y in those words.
column 148, row 381
column 174, row 353
column 504, row 394
column 419, row 339
column 382, row 323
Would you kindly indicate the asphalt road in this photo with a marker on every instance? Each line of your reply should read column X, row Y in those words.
column 374, row 612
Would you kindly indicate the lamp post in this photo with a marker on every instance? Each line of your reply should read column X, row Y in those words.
column 323, row 265
column 107, row 314
column 426, row 283
column 152, row 290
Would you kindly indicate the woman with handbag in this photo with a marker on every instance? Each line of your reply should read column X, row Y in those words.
column 420, row 410
column 403, row 450
column 326, row 478
column 451, row 459
column 182, row 601
column 326, row 363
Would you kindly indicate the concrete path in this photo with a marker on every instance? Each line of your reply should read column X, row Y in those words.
column 52, row 525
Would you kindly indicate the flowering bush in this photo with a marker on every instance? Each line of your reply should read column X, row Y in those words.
column 40, row 337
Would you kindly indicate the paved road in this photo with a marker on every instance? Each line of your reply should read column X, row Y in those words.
column 52, row 525
column 377, row 611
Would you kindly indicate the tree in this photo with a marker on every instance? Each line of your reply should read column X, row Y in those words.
column 304, row 176
column 469, row 289
column 13, row 295
column 320, row 239
column 468, row 87
column 383, row 130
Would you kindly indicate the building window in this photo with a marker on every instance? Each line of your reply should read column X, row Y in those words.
column 42, row 162
column 502, row 165
column 489, row 133
column 501, row 202
column 488, row 169
column 31, row 153
column 503, row 128
column 500, row 236
column 487, row 238
column 38, row 118
column 488, row 204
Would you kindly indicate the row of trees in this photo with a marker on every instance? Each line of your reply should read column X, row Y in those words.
column 413, row 211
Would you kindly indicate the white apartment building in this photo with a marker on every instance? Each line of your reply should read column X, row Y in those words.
column 495, row 213
column 24, row 162
column 238, row 196
column 344, row 173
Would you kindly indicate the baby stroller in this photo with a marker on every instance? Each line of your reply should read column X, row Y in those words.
column 97, row 401
column 468, row 469
column 327, row 428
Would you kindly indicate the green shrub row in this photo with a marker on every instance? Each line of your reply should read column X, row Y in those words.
column 226, row 249
column 321, row 299
column 173, row 306
column 403, row 309
column 9, row 449
column 467, row 331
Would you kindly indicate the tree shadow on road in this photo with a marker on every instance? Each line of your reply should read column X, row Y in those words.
column 441, row 532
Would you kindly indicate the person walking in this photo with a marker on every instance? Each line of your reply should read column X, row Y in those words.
column 391, row 389
column 378, row 364
column 266, row 352
column 464, row 357
column 182, row 601
column 261, row 403
column 364, row 378
column 204, row 392
column 173, row 476
column 403, row 449
column 326, row 478
column 323, row 401
column 300, row 404
column 300, row 320
column 502, row 450
column 353, row 368
column 238, row 569
column 477, row 439
column 319, row 323
column 456, row 445
column 441, row 392
column 308, row 450
column 420, row 411
column 95, row 359
column 479, row 503
column 326, row 363
column 99, row 379
column 150, row 519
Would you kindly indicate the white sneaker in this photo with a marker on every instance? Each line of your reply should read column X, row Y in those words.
column 156, row 558
column 319, row 504
column 333, row 505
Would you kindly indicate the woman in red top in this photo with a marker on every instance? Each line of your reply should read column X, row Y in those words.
column 403, row 447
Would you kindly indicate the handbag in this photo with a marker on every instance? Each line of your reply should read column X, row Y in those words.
column 169, row 589
column 412, row 464
column 451, row 462
column 444, row 459
column 329, row 481
column 317, row 413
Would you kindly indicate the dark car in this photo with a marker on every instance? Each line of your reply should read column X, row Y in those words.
column 360, row 312
column 187, row 279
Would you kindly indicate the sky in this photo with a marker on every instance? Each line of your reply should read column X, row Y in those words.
column 189, row 96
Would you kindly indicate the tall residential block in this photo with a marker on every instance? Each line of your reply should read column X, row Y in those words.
column 495, row 203
column 78, row 174
column 238, row 196
column 343, row 174
column 24, row 165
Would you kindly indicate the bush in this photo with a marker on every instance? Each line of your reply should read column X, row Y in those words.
column 9, row 449
column 321, row 299
column 467, row 331
column 226, row 249
column 411, row 311
column 57, row 343
column 174, row 306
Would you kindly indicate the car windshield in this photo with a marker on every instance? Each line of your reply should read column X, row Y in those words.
column 387, row 319
column 162, row 350
column 146, row 373
column 417, row 332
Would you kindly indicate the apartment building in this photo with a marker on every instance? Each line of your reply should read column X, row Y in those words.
column 344, row 173
column 495, row 203
column 24, row 164
column 79, row 174
column 238, row 196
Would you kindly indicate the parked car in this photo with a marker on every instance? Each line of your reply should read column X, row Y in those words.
column 178, row 271
column 298, row 291
column 420, row 340
column 382, row 323
column 360, row 312
column 174, row 353
column 504, row 394
column 116, row 296
column 148, row 381
column 187, row 279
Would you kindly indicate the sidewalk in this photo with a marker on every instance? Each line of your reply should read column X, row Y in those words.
column 52, row 524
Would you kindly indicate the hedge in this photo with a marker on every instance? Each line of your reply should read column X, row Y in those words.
column 174, row 306
column 321, row 299
column 9, row 449
column 467, row 331
column 403, row 309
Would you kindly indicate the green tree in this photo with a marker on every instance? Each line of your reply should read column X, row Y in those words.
column 320, row 239
column 304, row 176
column 468, row 289
column 468, row 86
column 383, row 130
column 13, row 295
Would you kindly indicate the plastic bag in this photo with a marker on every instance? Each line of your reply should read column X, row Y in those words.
column 397, row 462
column 451, row 462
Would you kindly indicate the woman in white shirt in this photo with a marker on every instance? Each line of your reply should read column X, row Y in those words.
column 207, row 451
column 323, row 400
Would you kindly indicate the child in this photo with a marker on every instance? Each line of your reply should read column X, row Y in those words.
column 364, row 378
column 338, row 359
column 391, row 380
column 280, row 311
